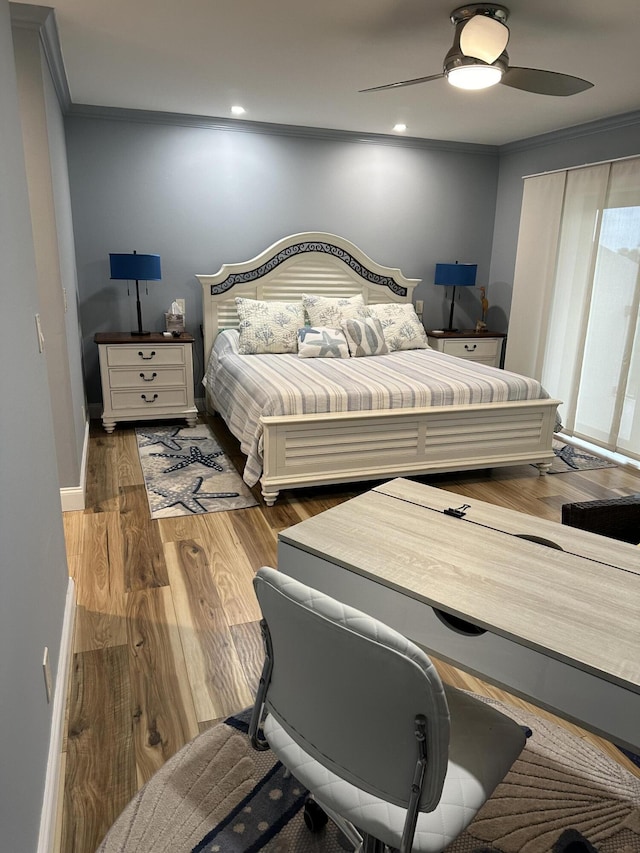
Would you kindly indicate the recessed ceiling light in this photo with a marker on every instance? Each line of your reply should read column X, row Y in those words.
column 400, row 127
column 238, row 111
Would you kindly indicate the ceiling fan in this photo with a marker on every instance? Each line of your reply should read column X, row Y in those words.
column 478, row 58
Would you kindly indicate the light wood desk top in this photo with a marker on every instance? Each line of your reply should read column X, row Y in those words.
column 580, row 605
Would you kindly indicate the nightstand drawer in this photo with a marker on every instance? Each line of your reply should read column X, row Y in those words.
column 148, row 400
column 145, row 354
column 144, row 377
column 485, row 350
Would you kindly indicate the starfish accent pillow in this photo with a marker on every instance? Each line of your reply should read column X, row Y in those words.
column 322, row 342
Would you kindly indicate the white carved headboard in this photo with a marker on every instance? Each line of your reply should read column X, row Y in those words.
column 309, row 262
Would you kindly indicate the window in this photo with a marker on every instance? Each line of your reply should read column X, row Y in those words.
column 585, row 344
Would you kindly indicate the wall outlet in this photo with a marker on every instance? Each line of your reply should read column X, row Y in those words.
column 180, row 302
column 419, row 306
column 46, row 669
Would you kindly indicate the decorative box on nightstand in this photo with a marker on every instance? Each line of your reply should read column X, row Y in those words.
column 484, row 347
column 146, row 377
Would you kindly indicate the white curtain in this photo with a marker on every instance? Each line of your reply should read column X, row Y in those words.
column 534, row 272
column 580, row 332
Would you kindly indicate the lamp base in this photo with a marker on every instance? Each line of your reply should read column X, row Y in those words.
column 138, row 333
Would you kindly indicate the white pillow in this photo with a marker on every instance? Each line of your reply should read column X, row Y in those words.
column 365, row 337
column 322, row 342
column 401, row 326
column 268, row 327
column 330, row 311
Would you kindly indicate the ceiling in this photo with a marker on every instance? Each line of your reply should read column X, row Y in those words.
column 300, row 63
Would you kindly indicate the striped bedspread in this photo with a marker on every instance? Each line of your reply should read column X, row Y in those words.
column 243, row 388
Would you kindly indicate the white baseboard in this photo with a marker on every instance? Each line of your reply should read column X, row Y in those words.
column 46, row 838
column 73, row 497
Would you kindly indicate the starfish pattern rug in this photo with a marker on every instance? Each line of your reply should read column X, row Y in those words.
column 569, row 458
column 187, row 473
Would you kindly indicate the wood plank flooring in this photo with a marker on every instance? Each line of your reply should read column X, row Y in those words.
column 167, row 638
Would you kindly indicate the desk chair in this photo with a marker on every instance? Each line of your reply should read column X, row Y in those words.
column 359, row 716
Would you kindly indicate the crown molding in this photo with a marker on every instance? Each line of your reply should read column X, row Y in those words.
column 43, row 20
column 578, row 131
column 241, row 126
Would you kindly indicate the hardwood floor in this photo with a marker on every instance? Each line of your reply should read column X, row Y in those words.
column 167, row 639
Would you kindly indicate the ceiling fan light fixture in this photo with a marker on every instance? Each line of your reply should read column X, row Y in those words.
column 474, row 76
column 483, row 37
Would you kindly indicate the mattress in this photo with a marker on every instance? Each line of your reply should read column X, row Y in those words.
column 244, row 388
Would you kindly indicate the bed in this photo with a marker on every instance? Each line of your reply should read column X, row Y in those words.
column 400, row 433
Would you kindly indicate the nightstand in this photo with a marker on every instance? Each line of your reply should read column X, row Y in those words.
column 484, row 347
column 146, row 377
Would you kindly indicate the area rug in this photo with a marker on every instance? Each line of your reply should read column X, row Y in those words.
column 186, row 472
column 218, row 795
column 569, row 458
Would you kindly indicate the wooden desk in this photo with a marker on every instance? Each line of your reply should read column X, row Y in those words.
column 561, row 628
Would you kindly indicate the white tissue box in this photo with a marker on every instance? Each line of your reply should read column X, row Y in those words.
column 175, row 322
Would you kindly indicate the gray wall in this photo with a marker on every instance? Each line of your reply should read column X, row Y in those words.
column 45, row 156
column 33, row 572
column 76, row 419
column 202, row 196
column 589, row 143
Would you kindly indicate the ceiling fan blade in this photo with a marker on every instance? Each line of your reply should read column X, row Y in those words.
column 404, row 83
column 544, row 82
column 484, row 38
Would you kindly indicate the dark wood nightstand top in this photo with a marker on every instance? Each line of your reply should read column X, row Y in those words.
column 465, row 333
column 154, row 338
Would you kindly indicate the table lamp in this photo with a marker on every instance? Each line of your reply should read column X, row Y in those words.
column 135, row 267
column 455, row 275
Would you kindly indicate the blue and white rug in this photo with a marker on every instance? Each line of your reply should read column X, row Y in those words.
column 186, row 472
column 569, row 458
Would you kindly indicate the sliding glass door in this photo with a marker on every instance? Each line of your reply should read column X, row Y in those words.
column 592, row 337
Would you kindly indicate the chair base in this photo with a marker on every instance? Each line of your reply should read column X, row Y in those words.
column 360, row 843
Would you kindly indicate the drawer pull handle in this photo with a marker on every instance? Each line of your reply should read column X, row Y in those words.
column 148, row 379
column 539, row 540
column 470, row 349
column 460, row 626
column 147, row 357
column 152, row 400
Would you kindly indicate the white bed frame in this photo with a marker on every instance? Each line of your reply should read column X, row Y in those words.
column 315, row 449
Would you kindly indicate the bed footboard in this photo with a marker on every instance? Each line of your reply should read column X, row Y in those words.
column 308, row 450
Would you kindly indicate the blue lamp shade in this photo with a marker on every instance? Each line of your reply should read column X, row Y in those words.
column 134, row 267
column 456, row 275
